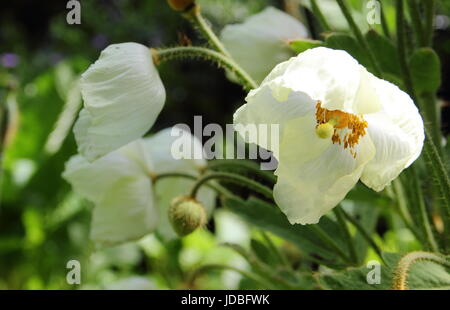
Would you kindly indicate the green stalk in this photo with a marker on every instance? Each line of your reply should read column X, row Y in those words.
column 360, row 37
column 430, row 7
column 193, row 52
column 427, row 109
column 434, row 162
column 195, row 16
column 430, row 110
column 320, row 17
column 244, row 164
column 219, row 189
column 439, row 170
column 384, row 24
column 351, row 246
column 416, row 22
column 233, row 178
column 364, row 233
column 423, row 216
column 401, row 46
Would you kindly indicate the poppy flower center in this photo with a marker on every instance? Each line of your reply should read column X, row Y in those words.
column 343, row 128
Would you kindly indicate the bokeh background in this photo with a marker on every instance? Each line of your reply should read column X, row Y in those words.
column 43, row 224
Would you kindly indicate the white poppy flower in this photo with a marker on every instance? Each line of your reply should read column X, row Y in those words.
column 338, row 124
column 123, row 95
column 127, row 204
column 262, row 40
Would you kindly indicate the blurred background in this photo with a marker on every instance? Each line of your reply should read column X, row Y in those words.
column 43, row 224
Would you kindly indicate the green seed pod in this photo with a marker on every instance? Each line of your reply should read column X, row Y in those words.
column 181, row 5
column 186, row 215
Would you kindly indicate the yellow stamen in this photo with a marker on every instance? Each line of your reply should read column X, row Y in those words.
column 351, row 126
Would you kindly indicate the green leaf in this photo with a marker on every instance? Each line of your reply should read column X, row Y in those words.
column 300, row 46
column 262, row 252
column 268, row 217
column 384, row 51
column 425, row 69
column 347, row 43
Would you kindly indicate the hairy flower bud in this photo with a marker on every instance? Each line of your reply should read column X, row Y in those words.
column 186, row 215
column 180, row 5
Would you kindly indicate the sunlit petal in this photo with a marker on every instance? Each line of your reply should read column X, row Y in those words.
column 123, row 96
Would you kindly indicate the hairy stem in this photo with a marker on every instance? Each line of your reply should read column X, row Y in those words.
column 236, row 179
column 405, row 263
column 219, row 189
column 384, row 24
column 430, row 7
column 319, row 15
column 193, row 52
column 195, row 16
column 350, row 242
column 364, row 234
column 359, row 36
column 434, row 161
column 244, row 164
column 416, row 22
column 423, row 216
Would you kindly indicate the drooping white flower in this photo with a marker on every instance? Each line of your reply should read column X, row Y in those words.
column 127, row 204
column 262, row 40
column 338, row 124
column 123, row 95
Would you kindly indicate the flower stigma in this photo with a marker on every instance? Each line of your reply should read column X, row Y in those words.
column 343, row 128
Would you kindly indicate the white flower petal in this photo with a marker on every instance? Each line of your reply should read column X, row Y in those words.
column 263, row 109
column 123, row 96
column 125, row 212
column 166, row 159
column 91, row 180
column 331, row 76
column 397, row 133
column 314, row 175
column 262, row 40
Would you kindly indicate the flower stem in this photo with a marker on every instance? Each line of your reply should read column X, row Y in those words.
column 195, row 16
column 416, row 22
column 351, row 246
column 405, row 263
column 430, row 6
column 219, row 189
column 233, row 178
column 364, row 233
column 359, row 36
column 320, row 17
column 401, row 46
column 423, row 216
column 434, row 162
column 247, row 165
column 384, row 24
column 439, row 169
column 192, row 52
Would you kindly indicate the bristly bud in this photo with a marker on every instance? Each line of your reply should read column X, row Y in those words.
column 181, row 5
column 186, row 215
